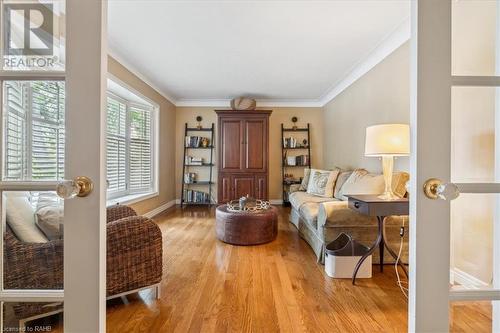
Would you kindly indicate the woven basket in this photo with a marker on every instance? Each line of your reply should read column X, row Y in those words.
column 243, row 103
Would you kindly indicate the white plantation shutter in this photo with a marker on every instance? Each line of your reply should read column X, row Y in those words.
column 15, row 164
column 140, row 149
column 34, row 136
column 47, row 135
column 116, row 160
column 129, row 148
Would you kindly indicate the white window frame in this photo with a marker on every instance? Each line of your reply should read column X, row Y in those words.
column 28, row 119
column 126, row 196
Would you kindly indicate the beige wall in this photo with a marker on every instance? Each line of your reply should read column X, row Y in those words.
column 380, row 96
column 280, row 115
column 166, row 136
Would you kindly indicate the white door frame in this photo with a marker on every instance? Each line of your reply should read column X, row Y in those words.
column 84, row 293
column 431, row 84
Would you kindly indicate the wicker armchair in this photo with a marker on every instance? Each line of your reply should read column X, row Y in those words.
column 134, row 257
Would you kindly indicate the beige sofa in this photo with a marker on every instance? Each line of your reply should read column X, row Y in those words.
column 320, row 220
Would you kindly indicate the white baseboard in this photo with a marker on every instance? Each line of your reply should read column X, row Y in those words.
column 160, row 209
column 466, row 280
column 271, row 201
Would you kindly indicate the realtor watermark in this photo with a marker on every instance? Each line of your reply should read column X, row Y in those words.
column 28, row 35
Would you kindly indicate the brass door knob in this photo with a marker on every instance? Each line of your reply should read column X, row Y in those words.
column 435, row 189
column 81, row 186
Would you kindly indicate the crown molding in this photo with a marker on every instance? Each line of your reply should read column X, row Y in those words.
column 388, row 45
column 132, row 69
column 225, row 103
column 219, row 103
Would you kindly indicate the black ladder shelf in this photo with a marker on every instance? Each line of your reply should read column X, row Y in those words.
column 284, row 165
column 186, row 167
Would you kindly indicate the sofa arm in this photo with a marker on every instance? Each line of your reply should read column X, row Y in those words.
column 33, row 265
column 117, row 212
column 294, row 188
column 338, row 213
column 134, row 254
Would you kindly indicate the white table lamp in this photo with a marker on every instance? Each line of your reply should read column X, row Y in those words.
column 387, row 141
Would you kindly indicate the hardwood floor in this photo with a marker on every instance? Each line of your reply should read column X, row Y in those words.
column 209, row 286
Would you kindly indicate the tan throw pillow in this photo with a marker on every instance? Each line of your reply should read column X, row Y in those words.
column 305, row 180
column 321, row 182
column 341, row 179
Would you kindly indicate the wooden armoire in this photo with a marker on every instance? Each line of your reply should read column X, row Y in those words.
column 243, row 149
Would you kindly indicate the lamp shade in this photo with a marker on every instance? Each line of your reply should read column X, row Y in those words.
column 387, row 140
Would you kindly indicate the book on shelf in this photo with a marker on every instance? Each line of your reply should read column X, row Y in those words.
column 300, row 160
column 193, row 196
column 190, row 160
column 196, row 141
column 289, row 142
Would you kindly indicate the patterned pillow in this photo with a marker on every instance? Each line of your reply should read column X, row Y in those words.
column 353, row 177
column 305, row 180
column 341, row 179
column 321, row 182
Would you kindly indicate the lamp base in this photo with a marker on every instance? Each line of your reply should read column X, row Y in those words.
column 388, row 196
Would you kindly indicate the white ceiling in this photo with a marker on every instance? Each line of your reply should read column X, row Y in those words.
column 295, row 51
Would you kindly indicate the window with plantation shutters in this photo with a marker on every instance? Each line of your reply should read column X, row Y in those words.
column 34, row 135
column 129, row 147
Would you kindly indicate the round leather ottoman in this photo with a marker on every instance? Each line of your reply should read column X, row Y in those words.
column 245, row 228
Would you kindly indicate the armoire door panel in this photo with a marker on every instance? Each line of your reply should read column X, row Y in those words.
column 261, row 187
column 225, row 188
column 255, row 145
column 243, row 185
column 230, row 145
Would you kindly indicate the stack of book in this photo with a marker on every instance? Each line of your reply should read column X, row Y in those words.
column 302, row 160
column 190, row 160
column 289, row 142
column 196, row 141
column 196, row 196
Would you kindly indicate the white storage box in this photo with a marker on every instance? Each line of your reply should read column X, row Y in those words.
column 342, row 255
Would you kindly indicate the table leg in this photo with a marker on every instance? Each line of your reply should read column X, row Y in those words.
column 380, row 220
column 378, row 242
column 393, row 254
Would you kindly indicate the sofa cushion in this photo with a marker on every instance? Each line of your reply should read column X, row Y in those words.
column 321, row 182
column 297, row 199
column 341, row 179
column 359, row 183
column 20, row 217
column 353, row 177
